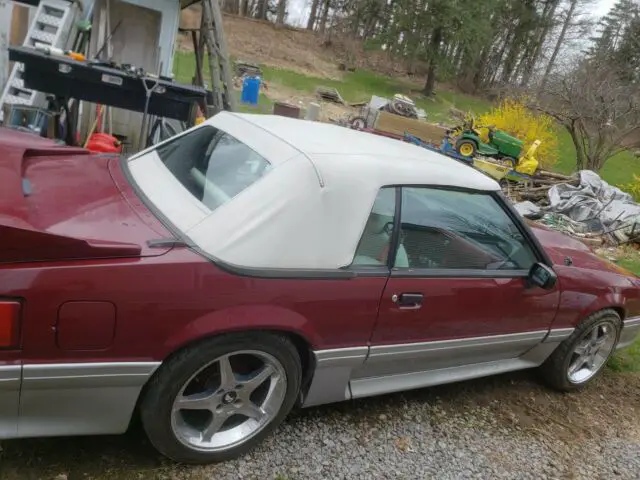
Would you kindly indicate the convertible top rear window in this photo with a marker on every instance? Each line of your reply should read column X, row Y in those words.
column 212, row 165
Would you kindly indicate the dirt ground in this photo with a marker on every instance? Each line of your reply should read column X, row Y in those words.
column 328, row 111
column 257, row 41
column 519, row 404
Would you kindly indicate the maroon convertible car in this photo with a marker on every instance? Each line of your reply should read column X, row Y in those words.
column 255, row 263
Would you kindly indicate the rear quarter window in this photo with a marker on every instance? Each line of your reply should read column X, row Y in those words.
column 212, row 165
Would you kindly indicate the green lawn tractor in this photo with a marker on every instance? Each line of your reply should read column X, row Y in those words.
column 501, row 145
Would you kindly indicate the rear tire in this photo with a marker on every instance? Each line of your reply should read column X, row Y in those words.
column 511, row 161
column 580, row 359
column 218, row 399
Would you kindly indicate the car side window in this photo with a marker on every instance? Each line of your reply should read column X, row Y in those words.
column 375, row 243
column 452, row 229
column 212, row 165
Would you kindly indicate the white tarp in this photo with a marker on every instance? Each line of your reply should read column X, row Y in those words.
column 594, row 199
column 528, row 209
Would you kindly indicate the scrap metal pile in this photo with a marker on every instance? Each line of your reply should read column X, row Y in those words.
column 583, row 206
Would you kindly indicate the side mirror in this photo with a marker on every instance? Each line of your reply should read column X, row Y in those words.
column 542, row 276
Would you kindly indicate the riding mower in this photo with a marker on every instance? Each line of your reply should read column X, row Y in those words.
column 501, row 146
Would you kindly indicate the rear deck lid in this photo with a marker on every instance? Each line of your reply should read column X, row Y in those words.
column 61, row 203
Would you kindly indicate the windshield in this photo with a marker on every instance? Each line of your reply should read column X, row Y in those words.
column 212, row 165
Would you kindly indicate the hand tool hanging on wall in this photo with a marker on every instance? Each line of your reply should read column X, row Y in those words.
column 145, row 115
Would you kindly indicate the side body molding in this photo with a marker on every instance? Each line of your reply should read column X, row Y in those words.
column 630, row 331
column 346, row 373
column 9, row 399
column 334, row 369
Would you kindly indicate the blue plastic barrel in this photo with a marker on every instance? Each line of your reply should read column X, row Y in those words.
column 250, row 90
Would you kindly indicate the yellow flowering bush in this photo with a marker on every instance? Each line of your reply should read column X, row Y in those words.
column 514, row 118
column 632, row 188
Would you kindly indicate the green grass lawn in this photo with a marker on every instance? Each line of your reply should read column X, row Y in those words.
column 355, row 86
column 618, row 169
column 358, row 86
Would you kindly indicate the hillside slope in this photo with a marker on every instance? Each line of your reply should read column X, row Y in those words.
column 289, row 48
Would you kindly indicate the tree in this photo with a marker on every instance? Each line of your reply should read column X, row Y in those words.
column 614, row 26
column 326, row 6
column 436, row 39
column 559, row 42
column 261, row 10
column 625, row 49
column 312, row 16
column 282, row 8
column 599, row 108
column 546, row 22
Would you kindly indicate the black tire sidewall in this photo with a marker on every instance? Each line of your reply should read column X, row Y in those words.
column 158, row 398
column 555, row 369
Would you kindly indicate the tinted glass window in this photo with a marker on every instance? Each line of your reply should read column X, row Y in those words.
column 373, row 249
column 212, row 165
column 446, row 229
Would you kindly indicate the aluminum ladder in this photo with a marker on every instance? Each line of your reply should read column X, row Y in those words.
column 51, row 25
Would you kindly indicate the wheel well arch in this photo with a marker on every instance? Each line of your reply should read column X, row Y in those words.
column 619, row 310
column 302, row 345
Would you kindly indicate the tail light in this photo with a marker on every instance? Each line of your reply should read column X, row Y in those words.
column 9, row 318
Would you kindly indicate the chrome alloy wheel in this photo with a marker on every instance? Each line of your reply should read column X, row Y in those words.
column 228, row 401
column 591, row 352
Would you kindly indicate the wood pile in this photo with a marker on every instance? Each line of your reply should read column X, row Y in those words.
column 330, row 95
column 246, row 68
column 536, row 187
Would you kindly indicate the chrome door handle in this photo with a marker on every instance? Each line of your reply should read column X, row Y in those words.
column 408, row 301
column 410, row 307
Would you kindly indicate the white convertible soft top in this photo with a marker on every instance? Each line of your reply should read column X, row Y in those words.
column 310, row 209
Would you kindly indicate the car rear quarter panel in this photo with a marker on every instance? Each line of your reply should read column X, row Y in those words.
column 146, row 309
column 165, row 302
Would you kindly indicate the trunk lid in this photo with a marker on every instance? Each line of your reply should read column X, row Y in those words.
column 63, row 203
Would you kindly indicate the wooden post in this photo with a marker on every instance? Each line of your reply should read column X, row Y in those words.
column 212, row 53
column 198, row 78
column 227, row 77
column 212, row 32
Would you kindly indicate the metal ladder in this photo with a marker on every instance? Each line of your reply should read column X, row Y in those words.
column 51, row 26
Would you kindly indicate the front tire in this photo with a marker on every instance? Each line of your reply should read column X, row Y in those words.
column 579, row 359
column 218, row 399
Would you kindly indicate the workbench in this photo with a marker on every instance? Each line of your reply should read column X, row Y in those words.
column 92, row 82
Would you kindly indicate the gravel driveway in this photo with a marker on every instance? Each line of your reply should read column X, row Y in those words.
column 502, row 427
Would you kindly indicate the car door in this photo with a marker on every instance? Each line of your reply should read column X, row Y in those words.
column 461, row 297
